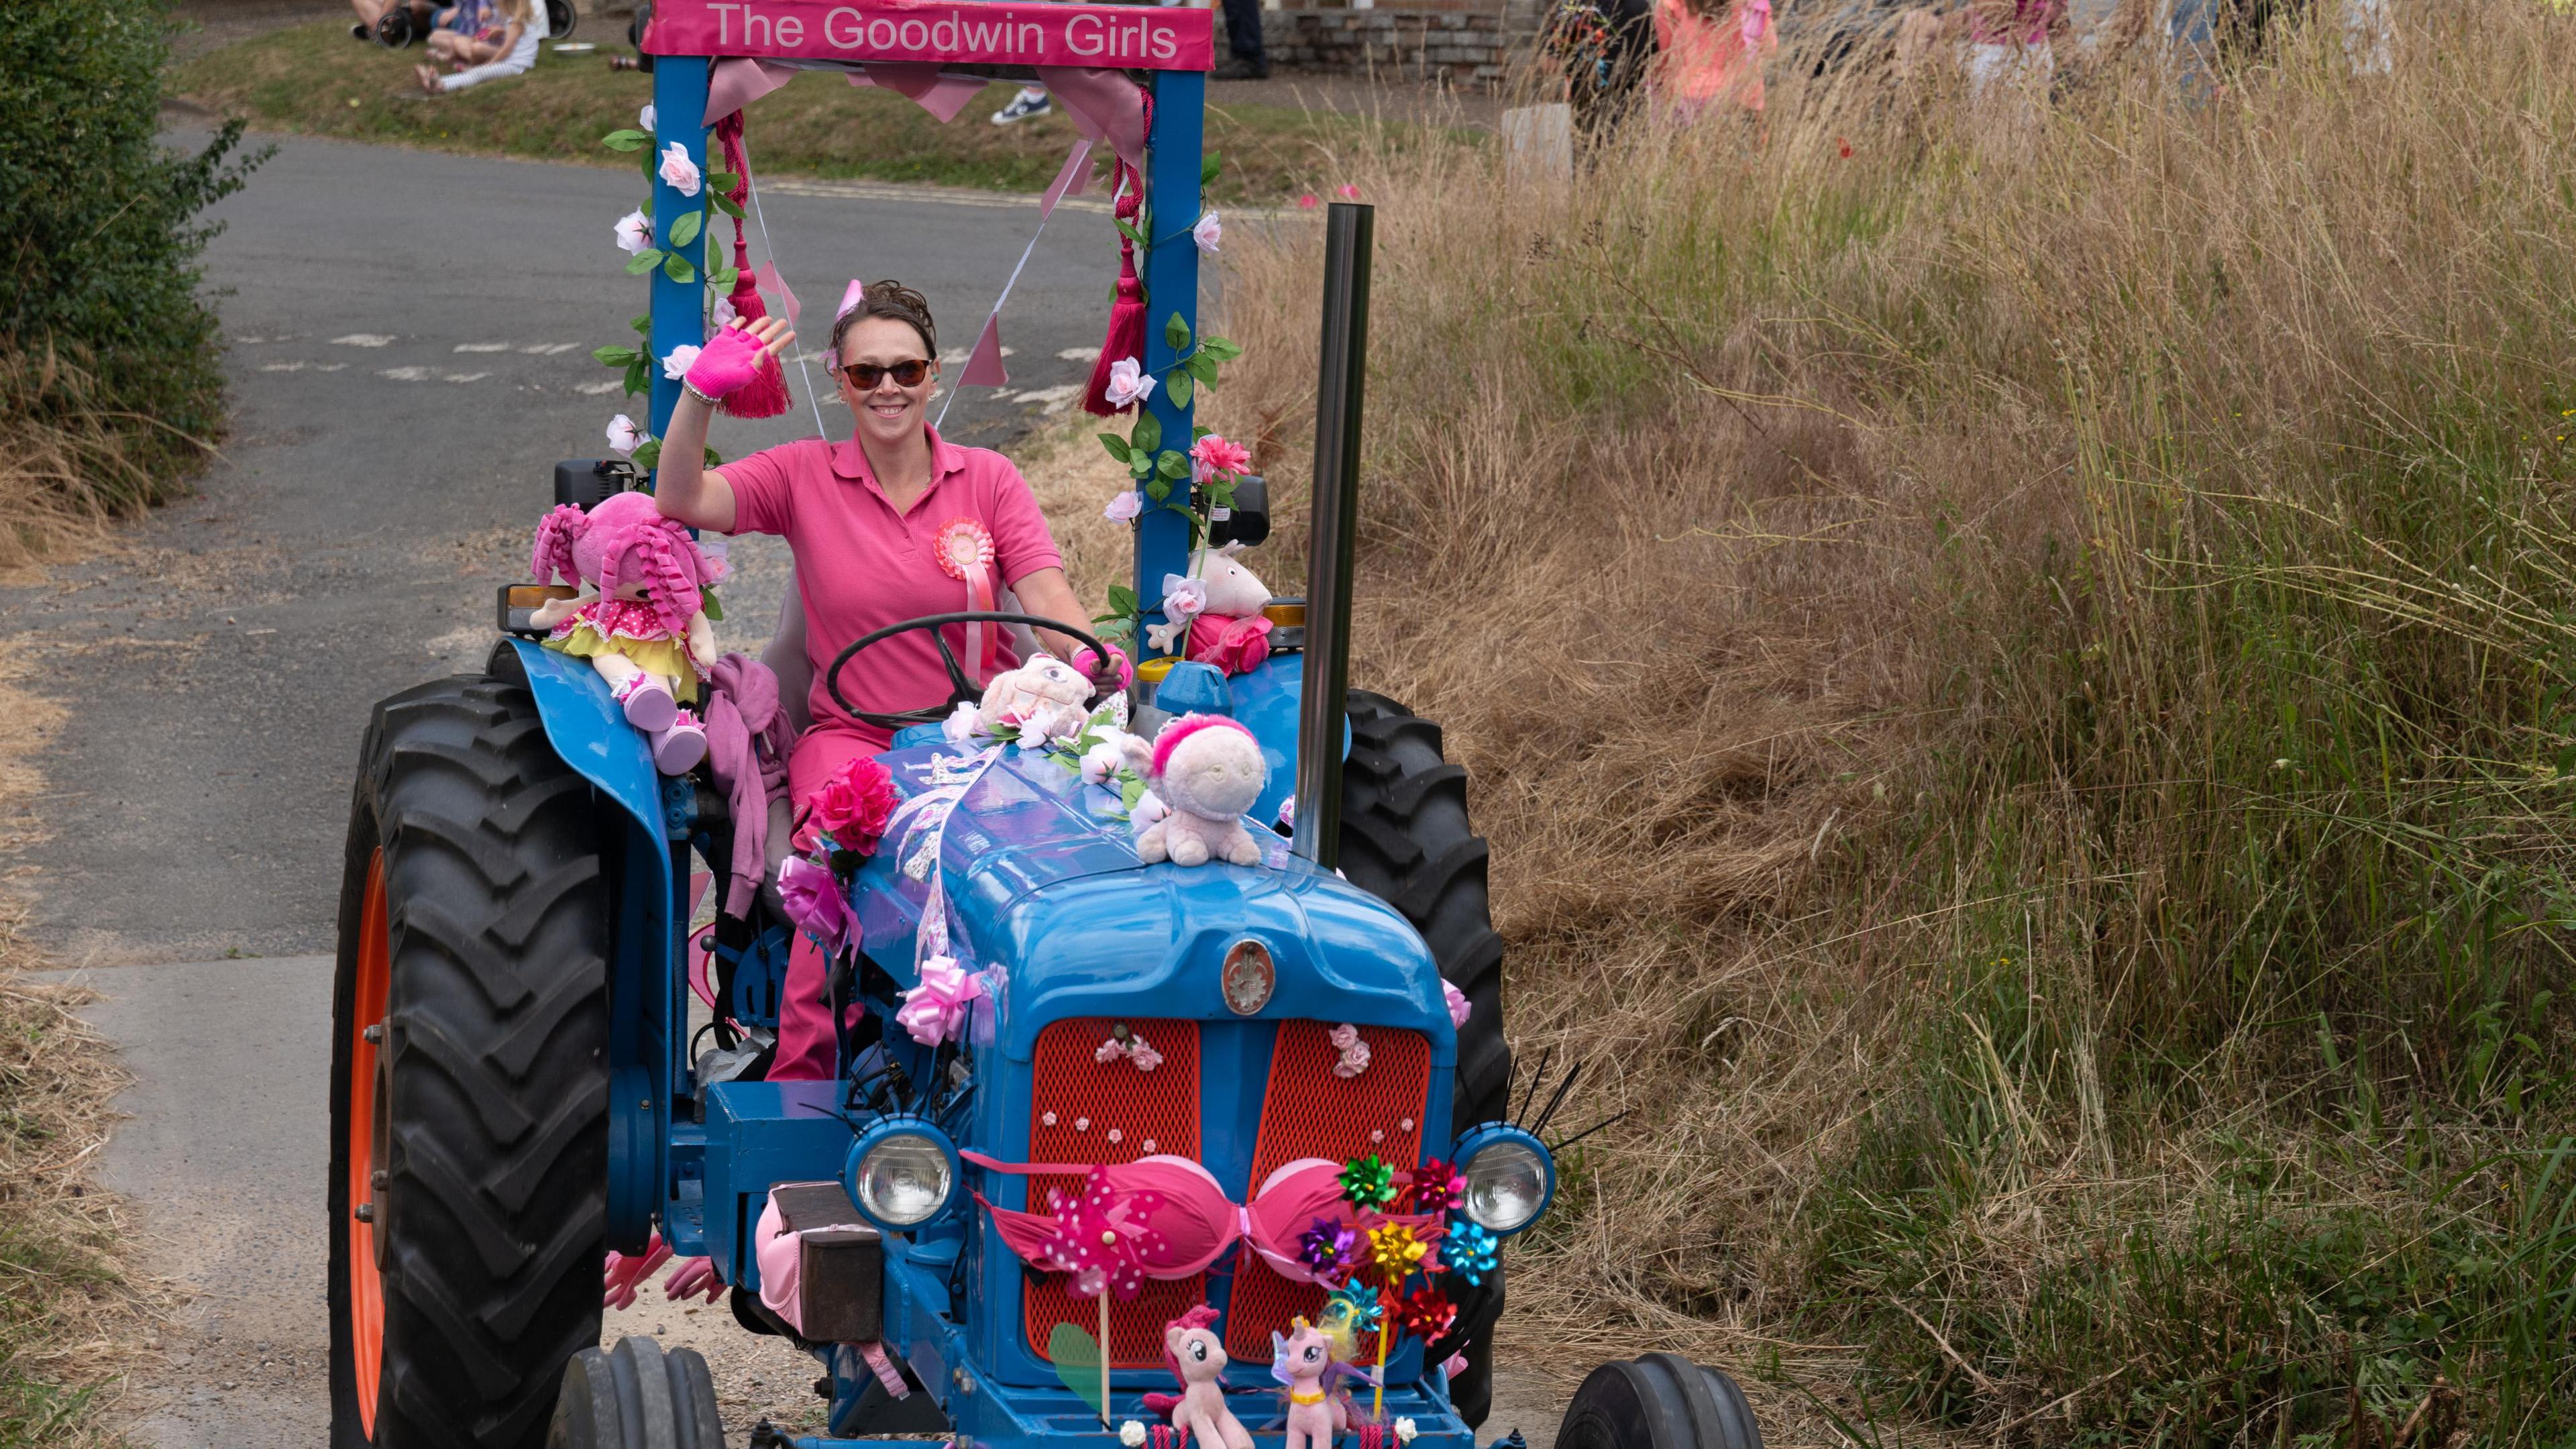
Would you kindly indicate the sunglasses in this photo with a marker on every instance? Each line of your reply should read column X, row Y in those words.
column 866, row 375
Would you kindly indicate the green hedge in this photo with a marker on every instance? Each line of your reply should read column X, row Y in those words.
column 99, row 222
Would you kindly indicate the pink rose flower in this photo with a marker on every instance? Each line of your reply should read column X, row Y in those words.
column 679, row 171
column 1128, row 383
column 853, row 806
column 634, row 233
column 1219, row 457
column 1125, row 507
column 1207, row 234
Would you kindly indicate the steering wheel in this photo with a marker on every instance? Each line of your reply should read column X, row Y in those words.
column 965, row 690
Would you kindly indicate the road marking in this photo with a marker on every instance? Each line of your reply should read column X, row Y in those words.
column 1079, row 354
column 599, row 389
column 548, row 349
column 463, row 376
column 482, row 346
column 330, row 367
column 1056, row 399
column 284, row 366
column 363, row 339
column 406, row 374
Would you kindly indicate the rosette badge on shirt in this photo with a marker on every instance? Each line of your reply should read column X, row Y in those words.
column 964, row 548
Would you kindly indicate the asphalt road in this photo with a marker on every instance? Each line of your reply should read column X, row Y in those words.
column 409, row 338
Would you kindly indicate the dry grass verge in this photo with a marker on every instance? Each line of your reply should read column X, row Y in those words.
column 66, row 464
column 2015, row 667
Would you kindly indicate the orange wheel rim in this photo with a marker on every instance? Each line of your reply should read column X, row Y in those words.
column 366, row 1285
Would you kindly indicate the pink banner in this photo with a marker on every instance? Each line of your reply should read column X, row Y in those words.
column 1139, row 37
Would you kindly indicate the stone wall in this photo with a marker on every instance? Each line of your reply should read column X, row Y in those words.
column 1464, row 42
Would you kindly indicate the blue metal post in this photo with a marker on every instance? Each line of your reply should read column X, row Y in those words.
column 1171, row 275
column 679, row 308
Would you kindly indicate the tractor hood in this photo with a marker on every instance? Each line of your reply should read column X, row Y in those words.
column 1046, row 893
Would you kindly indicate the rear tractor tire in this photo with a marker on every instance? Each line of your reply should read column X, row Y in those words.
column 1405, row 839
column 636, row 1396
column 1660, row 1401
column 469, row 1082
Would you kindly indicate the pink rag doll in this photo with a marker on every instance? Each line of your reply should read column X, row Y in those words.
column 641, row 618
column 1209, row 770
column 1231, row 632
column 1196, row 1356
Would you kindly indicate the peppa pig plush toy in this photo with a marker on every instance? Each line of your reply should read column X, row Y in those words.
column 1209, row 770
column 1230, row 632
column 641, row 618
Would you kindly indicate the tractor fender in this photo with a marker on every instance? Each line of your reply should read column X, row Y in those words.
column 591, row 734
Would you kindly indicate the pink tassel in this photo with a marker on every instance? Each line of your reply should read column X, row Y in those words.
column 1126, row 314
column 765, row 396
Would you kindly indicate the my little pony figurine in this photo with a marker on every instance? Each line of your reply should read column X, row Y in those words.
column 641, row 620
column 1311, row 1367
column 1197, row 1358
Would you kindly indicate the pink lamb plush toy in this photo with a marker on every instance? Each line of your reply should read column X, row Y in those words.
column 641, row 619
column 1208, row 769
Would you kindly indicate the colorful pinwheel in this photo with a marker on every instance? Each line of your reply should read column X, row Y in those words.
column 1368, row 1184
column 1438, row 1187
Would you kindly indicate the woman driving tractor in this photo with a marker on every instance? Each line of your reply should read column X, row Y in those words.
column 892, row 523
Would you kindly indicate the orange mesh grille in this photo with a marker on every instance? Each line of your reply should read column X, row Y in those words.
column 1156, row 1111
column 1308, row 1112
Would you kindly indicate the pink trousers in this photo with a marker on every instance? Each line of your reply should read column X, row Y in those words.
column 805, row 1045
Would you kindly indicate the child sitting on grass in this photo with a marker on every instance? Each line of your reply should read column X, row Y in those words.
column 507, row 46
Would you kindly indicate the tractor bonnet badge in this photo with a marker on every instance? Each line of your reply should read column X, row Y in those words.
column 1248, row 978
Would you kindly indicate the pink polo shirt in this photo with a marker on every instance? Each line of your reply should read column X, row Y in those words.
column 860, row 565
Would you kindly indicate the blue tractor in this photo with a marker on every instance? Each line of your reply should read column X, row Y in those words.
column 517, row 1087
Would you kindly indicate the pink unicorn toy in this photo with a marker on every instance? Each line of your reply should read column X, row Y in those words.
column 641, row 618
column 1305, row 1361
column 1197, row 1358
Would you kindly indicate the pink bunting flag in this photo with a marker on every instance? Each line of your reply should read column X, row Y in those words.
column 984, row 364
column 766, row 274
column 737, row 82
column 1068, row 178
column 943, row 96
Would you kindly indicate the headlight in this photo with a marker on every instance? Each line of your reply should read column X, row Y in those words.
column 901, row 1174
column 1510, row 1178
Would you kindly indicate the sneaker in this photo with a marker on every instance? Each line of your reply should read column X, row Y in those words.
column 1240, row 69
column 358, row 31
column 1024, row 105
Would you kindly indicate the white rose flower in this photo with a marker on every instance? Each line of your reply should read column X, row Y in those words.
column 1101, row 763
column 679, row 171
column 634, row 233
column 1124, row 507
column 1128, row 383
column 1131, row 1434
column 644, row 118
column 624, row 436
column 1207, row 234
column 724, row 312
column 1406, row 1431
column 676, row 366
column 1149, row 808
column 963, row 723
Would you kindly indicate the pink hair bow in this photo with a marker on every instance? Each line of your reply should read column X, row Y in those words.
column 851, row 296
column 935, row 1011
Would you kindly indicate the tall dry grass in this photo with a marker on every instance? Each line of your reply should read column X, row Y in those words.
column 68, row 457
column 2016, row 670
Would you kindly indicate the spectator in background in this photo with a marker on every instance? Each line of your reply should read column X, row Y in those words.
column 1709, row 57
column 1243, row 37
column 417, row 16
column 507, row 46
column 2012, row 53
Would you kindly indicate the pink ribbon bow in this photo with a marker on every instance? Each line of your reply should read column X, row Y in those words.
column 935, row 1011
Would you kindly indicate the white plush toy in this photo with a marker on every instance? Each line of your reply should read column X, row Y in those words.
column 1226, row 628
column 1208, row 769
column 1046, row 697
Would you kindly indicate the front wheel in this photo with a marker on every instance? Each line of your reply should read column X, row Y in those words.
column 469, row 1081
column 1660, row 1401
column 636, row 1396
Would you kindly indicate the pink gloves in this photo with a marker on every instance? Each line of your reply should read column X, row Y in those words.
column 729, row 362
column 1084, row 660
column 625, row 1275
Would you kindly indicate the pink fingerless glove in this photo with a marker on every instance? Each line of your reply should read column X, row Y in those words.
column 625, row 1273
column 729, row 361
column 1084, row 660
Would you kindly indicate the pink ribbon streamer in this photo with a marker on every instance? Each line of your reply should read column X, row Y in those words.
column 736, row 83
column 920, row 82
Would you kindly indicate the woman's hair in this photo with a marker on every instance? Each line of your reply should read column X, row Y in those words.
column 525, row 12
column 892, row 300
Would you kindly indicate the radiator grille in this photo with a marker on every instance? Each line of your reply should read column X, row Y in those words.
column 1308, row 1112
column 1087, row 1100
